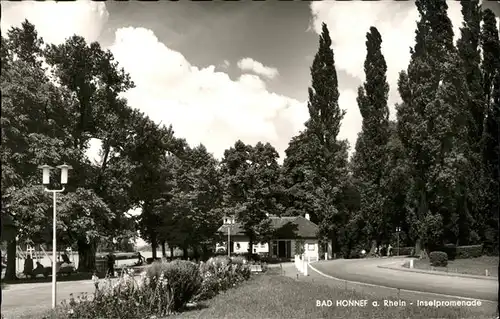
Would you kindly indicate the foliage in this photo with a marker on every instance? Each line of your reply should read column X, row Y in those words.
column 315, row 166
column 196, row 195
column 220, row 274
column 299, row 247
column 438, row 259
column 371, row 153
column 182, row 276
column 434, row 171
column 431, row 125
column 249, row 178
column 142, row 298
column 490, row 44
column 463, row 252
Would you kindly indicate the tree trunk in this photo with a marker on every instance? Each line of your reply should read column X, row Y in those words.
column 10, row 271
column 419, row 250
column 154, row 245
column 250, row 246
column 185, row 254
column 163, row 251
column 196, row 252
column 204, row 252
column 171, row 251
column 86, row 255
column 373, row 248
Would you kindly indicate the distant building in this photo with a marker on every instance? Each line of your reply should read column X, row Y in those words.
column 288, row 233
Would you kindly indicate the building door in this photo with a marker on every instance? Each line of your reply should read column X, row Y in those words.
column 281, row 249
column 288, row 249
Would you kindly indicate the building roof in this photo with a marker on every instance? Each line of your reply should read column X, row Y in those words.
column 284, row 228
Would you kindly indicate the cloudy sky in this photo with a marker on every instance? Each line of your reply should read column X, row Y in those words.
column 222, row 71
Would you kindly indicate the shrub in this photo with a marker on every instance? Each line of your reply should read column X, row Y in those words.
column 463, row 252
column 221, row 273
column 438, row 259
column 472, row 251
column 112, row 297
column 183, row 277
column 403, row 251
column 238, row 260
column 270, row 260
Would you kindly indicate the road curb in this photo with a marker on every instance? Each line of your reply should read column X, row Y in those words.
column 404, row 290
column 437, row 273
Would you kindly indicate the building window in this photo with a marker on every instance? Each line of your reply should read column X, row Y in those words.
column 311, row 247
column 275, row 248
column 238, row 246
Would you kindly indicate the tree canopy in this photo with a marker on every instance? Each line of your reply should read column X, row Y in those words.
column 433, row 170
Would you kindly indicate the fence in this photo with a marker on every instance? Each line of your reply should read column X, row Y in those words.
column 302, row 263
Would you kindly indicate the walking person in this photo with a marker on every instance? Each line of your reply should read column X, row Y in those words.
column 111, row 264
column 140, row 260
column 28, row 266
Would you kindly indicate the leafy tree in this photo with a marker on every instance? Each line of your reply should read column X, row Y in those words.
column 316, row 161
column 431, row 124
column 490, row 67
column 28, row 138
column 249, row 176
column 371, row 153
column 50, row 120
column 395, row 183
column 151, row 178
column 468, row 50
column 92, row 76
column 192, row 216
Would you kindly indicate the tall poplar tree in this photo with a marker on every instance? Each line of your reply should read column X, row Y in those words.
column 370, row 156
column 490, row 45
column 316, row 160
column 432, row 127
column 468, row 51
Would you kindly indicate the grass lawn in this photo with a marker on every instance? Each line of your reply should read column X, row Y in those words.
column 472, row 266
column 275, row 296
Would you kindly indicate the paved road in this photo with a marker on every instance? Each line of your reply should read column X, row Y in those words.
column 25, row 299
column 367, row 271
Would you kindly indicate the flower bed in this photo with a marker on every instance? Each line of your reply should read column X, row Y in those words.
column 221, row 273
column 164, row 288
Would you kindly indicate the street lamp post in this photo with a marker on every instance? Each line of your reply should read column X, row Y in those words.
column 46, row 181
column 398, row 229
column 229, row 240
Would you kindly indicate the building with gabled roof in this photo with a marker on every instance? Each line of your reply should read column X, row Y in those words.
column 291, row 236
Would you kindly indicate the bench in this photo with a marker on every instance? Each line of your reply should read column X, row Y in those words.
column 255, row 268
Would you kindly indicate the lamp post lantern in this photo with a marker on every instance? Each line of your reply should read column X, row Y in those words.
column 398, row 229
column 46, row 181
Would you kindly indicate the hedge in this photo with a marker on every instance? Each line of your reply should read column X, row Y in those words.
column 463, row 252
column 403, row 251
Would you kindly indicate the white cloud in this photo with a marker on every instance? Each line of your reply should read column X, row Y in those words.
column 249, row 64
column 351, row 124
column 56, row 21
column 203, row 105
column 395, row 22
column 348, row 23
